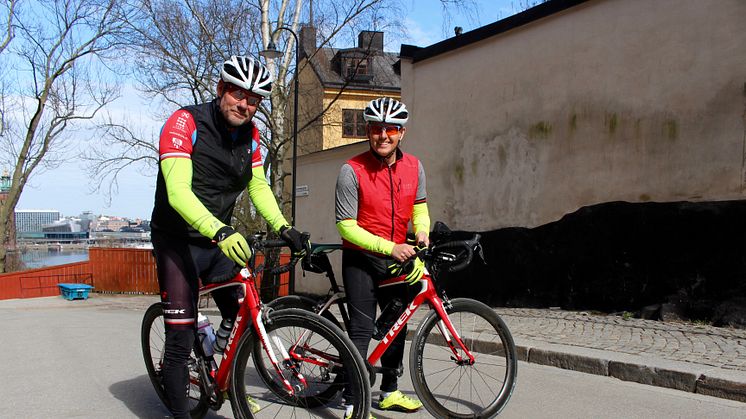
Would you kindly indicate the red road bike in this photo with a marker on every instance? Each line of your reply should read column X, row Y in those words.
column 272, row 357
column 462, row 358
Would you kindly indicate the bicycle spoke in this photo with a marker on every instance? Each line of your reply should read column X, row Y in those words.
column 310, row 353
column 479, row 389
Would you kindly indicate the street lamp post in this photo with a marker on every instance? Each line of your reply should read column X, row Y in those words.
column 271, row 52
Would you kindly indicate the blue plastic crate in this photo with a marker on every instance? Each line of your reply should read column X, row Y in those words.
column 74, row 291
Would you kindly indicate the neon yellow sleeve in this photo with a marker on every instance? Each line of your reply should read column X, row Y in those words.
column 177, row 172
column 420, row 218
column 353, row 233
column 264, row 200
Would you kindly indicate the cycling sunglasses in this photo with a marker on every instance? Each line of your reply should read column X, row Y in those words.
column 240, row 94
column 390, row 130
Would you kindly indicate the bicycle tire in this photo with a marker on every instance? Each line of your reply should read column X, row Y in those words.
column 443, row 391
column 303, row 303
column 153, row 338
column 308, row 304
column 254, row 379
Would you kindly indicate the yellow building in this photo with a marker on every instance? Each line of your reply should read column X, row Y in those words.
column 336, row 84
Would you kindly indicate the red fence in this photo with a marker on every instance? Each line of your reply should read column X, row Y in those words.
column 123, row 270
column 42, row 282
column 116, row 270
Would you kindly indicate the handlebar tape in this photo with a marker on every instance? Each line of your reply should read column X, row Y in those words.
column 269, row 244
column 467, row 245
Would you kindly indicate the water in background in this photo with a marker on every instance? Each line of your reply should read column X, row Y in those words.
column 33, row 259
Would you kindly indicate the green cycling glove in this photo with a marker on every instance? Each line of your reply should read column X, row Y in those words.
column 233, row 245
column 418, row 269
column 414, row 269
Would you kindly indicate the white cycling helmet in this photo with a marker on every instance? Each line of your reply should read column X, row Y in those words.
column 248, row 74
column 386, row 110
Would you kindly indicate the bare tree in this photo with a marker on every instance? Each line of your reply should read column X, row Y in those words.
column 337, row 22
column 9, row 9
column 179, row 46
column 56, row 50
column 8, row 32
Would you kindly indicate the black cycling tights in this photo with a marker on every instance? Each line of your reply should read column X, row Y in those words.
column 180, row 265
column 361, row 273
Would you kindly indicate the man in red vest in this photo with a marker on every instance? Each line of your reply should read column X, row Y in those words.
column 379, row 192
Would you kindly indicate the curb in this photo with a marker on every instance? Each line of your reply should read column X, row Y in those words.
column 668, row 374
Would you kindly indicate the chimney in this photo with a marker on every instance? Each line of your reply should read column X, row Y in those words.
column 307, row 41
column 370, row 40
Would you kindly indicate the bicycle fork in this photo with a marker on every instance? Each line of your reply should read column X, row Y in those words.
column 453, row 340
column 288, row 363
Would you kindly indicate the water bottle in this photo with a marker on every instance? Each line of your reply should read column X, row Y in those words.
column 206, row 334
column 388, row 317
column 221, row 337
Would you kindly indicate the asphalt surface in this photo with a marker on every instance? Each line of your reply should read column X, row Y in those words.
column 684, row 357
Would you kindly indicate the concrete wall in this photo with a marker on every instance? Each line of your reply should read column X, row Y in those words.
column 630, row 100
column 315, row 212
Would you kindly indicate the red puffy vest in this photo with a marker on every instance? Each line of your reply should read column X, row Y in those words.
column 386, row 195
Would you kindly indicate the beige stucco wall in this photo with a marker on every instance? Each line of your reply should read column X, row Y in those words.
column 315, row 212
column 631, row 100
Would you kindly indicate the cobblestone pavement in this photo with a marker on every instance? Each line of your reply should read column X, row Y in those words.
column 700, row 344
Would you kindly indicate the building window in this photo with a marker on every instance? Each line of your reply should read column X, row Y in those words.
column 353, row 124
column 356, row 67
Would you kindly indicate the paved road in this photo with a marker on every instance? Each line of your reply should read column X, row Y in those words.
column 82, row 359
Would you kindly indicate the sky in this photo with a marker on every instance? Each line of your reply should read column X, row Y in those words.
column 67, row 187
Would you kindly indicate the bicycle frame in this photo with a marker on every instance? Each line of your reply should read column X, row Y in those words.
column 250, row 308
column 427, row 294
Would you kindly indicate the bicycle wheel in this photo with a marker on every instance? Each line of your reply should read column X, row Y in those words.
column 316, row 341
column 153, row 339
column 451, row 389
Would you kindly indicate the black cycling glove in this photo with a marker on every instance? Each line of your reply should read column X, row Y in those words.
column 294, row 239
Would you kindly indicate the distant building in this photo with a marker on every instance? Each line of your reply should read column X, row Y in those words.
column 5, row 183
column 4, row 189
column 32, row 221
column 111, row 223
column 68, row 225
column 68, row 229
column 88, row 221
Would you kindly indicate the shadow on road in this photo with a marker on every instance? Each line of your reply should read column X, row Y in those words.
column 140, row 398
